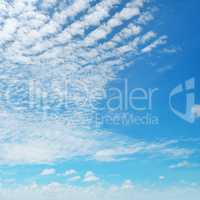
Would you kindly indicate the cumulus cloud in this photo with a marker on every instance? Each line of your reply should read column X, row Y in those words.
column 90, row 177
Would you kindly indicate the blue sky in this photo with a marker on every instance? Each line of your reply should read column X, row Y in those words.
column 78, row 79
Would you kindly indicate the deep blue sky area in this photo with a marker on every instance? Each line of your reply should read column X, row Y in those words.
column 180, row 22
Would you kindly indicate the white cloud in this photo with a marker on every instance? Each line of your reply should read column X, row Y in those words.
column 183, row 164
column 162, row 178
column 128, row 184
column 60, row 18
column 162, row 40
column 114, row 154
column 130, row 31
column 165, row 69
column 134, row 45
column 47, row 172
column 9, row 28
column 70, row 172
column 145, row 17
column 178, row 152
column 48, row 3
column 159, row 149
column 148, row 36
column 129, row 11
column 90, row 177
column 93, row 18
column 74, row 178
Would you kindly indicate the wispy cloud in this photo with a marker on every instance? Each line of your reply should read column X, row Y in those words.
column 34, row 142
column 74, row 178
column 70, row 172
column 47, row 172
column 165, row 69
column 162, row 40
column 184, row 164
column 167, row 149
